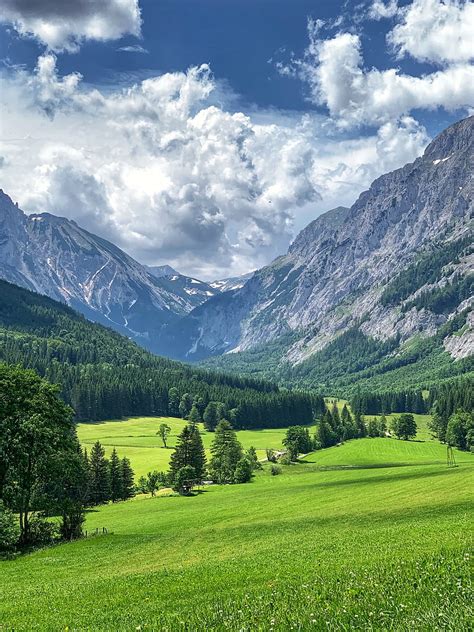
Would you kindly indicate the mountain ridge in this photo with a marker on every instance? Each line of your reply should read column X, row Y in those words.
column 334, row 273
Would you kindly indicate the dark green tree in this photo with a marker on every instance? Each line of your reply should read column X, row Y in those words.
column 126, row 471
column 34, row 426
column 173, row 401
column 194, row 415
column 243, row 471
column 99, row 476
column 185, row 480
column 189, row 450
column 211, row 416
column 404, row 426
column 9, row 530
column 226, row 453
column 185, row 405
column 115, row 477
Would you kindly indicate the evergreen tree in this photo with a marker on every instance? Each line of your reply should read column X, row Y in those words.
column 251, row 455
column 173, row 401
column 189, row 450
column 243, row 471
column 211, row 416
column 99, row 486
column 194, row 415
column 226, row 453
column 115, row 477
column 404, row 426
column 185, row 405
column 128, row 490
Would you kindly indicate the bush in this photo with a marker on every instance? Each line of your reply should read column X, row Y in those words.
column 286, row 459
column 41, row 531
column 9, row 530
column 185, row 480
column 275, row 470
column 243, row 471
column 271, row 457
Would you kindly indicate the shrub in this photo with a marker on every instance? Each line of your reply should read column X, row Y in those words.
column 41, row 531
column 275, row 470
column 243, row 471
column 9, row 530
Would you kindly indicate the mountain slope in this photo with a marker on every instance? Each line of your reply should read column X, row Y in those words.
column 104, row 375
column 339, row 269
column 54, row 256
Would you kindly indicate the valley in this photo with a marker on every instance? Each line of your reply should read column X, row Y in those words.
column 377, row 532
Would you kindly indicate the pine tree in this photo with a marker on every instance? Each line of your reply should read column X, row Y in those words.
column 211, row 416
column 194, row 415
column 173, row 401
column 189, row 450
column 115, row 476
column 226, row 453
column 99, row 488
column 185, row 405
column 128, row 489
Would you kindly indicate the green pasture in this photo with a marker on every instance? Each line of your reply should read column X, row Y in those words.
column 136, row 438
column 375, row 534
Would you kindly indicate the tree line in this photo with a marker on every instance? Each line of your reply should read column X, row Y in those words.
column 103, row 375
column 365, row 403
column 452, row 409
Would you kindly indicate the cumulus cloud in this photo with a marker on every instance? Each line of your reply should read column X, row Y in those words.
column 440, row 31
column 333, row 69
column 172, row 177
column 62, row 25
column 380, row 9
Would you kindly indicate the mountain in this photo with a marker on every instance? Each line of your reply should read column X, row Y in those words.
column 56, row 257
column 104, row 375
column 161, row 271
column 393, row 269
column 231, row 283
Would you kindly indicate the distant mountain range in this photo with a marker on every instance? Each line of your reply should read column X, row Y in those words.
column 393, row 270
column 56, row 257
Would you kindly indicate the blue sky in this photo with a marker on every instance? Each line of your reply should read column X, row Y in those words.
column 283, row 82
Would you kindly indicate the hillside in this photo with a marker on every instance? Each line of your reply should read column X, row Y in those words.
column 103, row 375
column 373, row 534
column 394, row 273
column 56, row 257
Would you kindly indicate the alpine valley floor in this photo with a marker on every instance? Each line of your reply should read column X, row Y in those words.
column 375, row 534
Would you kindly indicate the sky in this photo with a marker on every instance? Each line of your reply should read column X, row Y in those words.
column 206, row 133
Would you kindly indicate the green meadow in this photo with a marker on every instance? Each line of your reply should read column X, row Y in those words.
column 136, row 439
column 375, row 534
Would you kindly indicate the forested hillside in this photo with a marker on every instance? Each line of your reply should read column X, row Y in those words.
column 104, row 375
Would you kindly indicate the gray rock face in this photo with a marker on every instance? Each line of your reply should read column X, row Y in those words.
column 336, row 269
column 54, row 256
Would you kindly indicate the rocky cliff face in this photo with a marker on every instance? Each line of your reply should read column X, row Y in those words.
column 54, row 256
column 336, row 270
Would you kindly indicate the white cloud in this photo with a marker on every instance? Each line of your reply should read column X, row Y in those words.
column 167, row 174
column 379, row 9
column 440, row 31
column 135, row 48
column 63, row 24
column 333, row 69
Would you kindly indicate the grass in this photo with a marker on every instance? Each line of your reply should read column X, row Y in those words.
column 136, row 438
column 371, row 535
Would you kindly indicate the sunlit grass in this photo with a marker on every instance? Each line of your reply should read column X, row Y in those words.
column 136, row 438
column 374, row 534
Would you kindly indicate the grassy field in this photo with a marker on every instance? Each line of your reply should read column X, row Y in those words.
column 136, row 438
column 371, row 535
